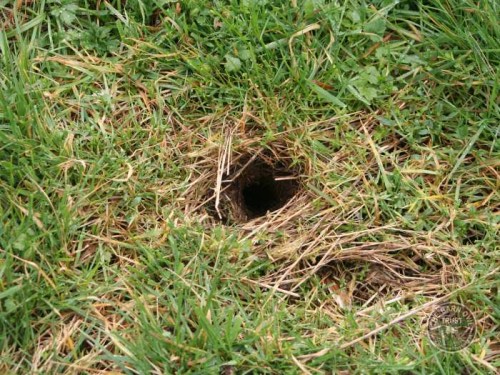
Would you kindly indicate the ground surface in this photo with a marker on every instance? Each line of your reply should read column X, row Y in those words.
column 119, row 121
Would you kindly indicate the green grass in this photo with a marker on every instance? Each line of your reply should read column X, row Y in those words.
column 113, row 116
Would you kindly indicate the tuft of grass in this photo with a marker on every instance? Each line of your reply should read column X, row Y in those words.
column 119, row 120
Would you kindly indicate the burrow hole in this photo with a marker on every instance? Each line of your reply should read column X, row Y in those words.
column 256, row 187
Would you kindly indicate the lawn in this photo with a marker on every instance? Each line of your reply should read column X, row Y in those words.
column 247, row 187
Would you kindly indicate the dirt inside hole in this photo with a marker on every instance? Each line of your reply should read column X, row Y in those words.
column 255, row 187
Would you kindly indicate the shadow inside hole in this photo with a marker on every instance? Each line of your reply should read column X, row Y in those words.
column 251, row 190
column 260, row 197
column 265, row 191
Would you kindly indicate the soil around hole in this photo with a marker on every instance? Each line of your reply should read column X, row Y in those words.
column 253, row 189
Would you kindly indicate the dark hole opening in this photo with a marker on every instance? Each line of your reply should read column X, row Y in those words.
column 262, row 195
column 264, row 187
column 252, row 190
